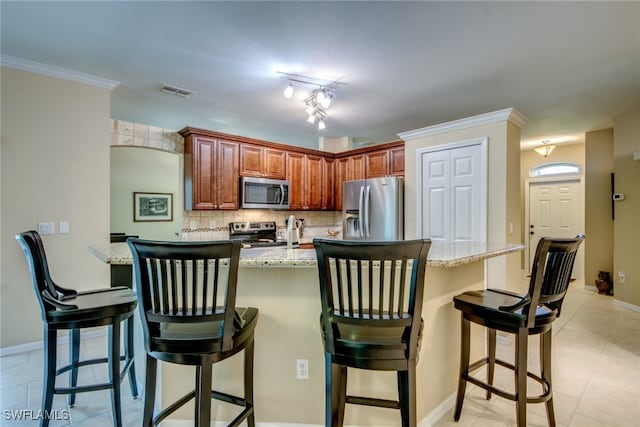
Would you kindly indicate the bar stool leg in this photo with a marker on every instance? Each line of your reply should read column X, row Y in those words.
column 465, row 339
column 204, row 373
column 114, row 372
column 128, row 351
column 522, row 339
column 248, row 382
column 49, row 380
column 335, row 392
column 545, row 370
column 491, row 341
column 149, row 391
column 74, row 357
column 407, row 395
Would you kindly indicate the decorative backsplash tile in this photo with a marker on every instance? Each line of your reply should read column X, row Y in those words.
column 214, row 225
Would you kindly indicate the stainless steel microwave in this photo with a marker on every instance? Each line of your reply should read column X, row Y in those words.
column 264, row 193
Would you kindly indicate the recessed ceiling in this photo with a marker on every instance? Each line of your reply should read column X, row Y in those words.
column 569, row 67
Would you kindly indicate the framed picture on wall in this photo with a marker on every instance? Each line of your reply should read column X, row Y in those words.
column 152, row 207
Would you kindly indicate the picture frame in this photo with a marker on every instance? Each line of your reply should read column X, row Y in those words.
column 152, row 207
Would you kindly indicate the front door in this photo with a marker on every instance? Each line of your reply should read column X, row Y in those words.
column 556, row 210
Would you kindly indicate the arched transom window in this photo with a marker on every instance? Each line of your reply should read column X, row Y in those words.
column 551, row 169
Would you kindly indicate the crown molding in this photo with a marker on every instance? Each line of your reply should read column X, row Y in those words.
column 508, row 114
column 58, row 72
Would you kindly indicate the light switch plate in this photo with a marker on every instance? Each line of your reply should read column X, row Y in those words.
column 63, row 227
column 46, row 228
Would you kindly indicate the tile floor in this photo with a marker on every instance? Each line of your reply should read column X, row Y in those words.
column 596, row 368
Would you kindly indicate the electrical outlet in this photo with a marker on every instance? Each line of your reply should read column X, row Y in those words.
column 621, row 277
column 302, row 369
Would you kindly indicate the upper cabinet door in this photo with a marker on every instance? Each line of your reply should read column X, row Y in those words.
column 251, row 160
column 376, row 164
column 200, row 174
column 396, row 161
column 226, row 179
column 275, row 162
column 210, row 173
column 296, row 180
column 314, row 182
column 262, row 162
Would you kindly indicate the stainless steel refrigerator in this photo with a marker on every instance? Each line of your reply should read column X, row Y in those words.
column 373, row 209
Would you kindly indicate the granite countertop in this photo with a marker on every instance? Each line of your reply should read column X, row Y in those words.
column 440, row 255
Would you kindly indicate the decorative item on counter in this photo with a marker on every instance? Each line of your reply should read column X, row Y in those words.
column 604, row 283
column 333, row 233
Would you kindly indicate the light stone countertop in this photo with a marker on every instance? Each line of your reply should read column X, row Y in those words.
column 440, row 255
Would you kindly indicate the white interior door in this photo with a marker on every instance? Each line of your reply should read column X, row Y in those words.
column 452, row 196
column 556, row 210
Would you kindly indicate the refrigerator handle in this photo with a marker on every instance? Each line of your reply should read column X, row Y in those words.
column 361, row 213
column 367, row 202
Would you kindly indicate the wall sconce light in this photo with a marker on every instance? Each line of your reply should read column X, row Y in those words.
column 319, row 100
column 545, row 149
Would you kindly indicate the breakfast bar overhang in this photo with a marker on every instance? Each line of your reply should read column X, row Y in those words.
column 283, row 285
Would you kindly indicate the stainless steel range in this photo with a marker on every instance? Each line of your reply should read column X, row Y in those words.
column 255, row 234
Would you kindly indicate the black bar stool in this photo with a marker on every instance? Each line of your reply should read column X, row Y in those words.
column 67, row 309
column 187, row 297
column 371, row 318
column 521, row 315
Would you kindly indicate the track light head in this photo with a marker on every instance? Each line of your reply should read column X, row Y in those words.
column 288, row 92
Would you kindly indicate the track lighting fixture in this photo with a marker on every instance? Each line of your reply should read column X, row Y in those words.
column 319, row 100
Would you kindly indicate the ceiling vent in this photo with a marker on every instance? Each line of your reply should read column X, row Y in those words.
column 177, row 91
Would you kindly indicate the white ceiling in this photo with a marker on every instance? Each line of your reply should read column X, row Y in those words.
column 569, row 67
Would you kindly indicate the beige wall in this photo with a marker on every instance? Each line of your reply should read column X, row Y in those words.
column 503, row 216
column 598, row 245
column 55, row 167
column 627, row 212
column 136, row 169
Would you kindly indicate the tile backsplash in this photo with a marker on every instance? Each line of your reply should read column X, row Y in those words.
column 214, row 225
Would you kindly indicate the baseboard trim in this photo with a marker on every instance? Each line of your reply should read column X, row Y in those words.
column 626, row 305
column 438, row 412
column 39, row 345
column 430, row 420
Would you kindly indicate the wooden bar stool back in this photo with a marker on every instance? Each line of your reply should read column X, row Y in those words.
column 187, row 297
column 371, row 295
column 67, row 309
column 521, row 315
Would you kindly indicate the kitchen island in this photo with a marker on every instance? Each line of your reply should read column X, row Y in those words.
column 283, row 284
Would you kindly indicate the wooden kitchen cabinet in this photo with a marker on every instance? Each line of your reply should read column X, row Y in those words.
column 376, row 164
column 210, row 173
column 328, row 188
column 262, row 162
column 347, row 169
column 396, row 161
column 307, row 182
column 385, row 162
